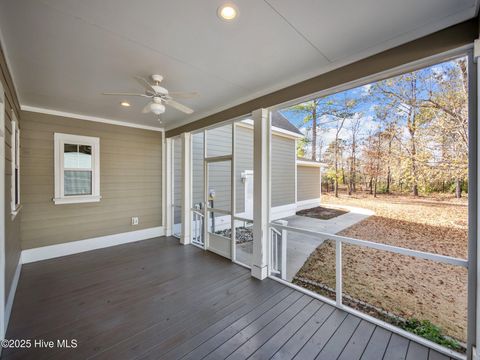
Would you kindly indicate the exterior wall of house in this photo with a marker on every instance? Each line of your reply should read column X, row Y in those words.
column 177, row 176
column 283, row 171
column 308, row 182
column 243, row 161
column 12, row 226
column 219, row 143
column 130, row 182
column 197, row 169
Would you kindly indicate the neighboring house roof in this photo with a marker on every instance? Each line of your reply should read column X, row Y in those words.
column 280, row 126
column 280, row 121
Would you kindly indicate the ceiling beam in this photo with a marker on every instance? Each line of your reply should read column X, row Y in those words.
column 441, row 41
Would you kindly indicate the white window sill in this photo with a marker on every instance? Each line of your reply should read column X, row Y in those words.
column 15, row 212
column 76, row 199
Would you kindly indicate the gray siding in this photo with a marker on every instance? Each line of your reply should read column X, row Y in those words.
column 219, row 179
column 219, row 141
column 308, row 182
column 283, row 167
column 283, row 171
column 12, row 227
column 177, row 176
column 243, row 161
column 130, row 182
column 197, row 168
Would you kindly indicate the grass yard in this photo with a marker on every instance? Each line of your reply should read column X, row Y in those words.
column 398, row 284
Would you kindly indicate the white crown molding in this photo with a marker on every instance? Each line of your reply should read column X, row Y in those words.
column 88, row 118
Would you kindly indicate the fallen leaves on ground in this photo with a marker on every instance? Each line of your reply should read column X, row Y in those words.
column 406, row 286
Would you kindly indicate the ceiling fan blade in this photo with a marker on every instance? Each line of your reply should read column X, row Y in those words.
column 126, row 94
column 146, row 109
column 145, row 83
column 178, row 106
column 183, row 95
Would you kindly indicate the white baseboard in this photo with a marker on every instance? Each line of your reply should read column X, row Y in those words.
column 307, row 204
column 12, row 291
column 74, row 247
column 283, row 211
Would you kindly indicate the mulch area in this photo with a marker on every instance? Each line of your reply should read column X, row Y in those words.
column 402, row 285
column 322, row 213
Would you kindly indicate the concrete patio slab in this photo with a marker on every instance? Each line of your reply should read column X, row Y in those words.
column 299, row 246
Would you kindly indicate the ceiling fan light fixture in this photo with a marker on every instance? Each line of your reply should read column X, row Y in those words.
column 157, row 108
column 125, row 104
column 227, row 12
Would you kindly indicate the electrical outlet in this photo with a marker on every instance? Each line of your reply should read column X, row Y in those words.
column 134, row 220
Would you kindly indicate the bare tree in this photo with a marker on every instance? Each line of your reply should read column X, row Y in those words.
column 354, row 128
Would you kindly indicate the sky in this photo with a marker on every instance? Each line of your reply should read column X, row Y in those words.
column 365, row 110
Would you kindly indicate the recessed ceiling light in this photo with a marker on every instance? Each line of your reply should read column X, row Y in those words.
column 125, row 104
column 227, row 12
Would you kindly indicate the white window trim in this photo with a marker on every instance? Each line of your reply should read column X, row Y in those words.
column 59, row 140
column 15, row 161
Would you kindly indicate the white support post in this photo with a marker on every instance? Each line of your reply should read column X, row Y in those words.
column 164, row 182
column 261, row 154
column 168, row 186
column 283, row 260
column 474, row 281
column 186, row 189
column 476, row 348
column 233, row 245
column 338, row 273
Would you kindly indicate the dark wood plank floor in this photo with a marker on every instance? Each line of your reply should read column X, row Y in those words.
column 157, row 299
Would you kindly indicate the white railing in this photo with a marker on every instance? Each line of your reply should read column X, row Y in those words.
column 278, row 229
column 279, row 250
column 197, row 228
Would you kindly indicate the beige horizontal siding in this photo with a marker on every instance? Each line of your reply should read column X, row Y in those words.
column 130, row 182
column 12, row 226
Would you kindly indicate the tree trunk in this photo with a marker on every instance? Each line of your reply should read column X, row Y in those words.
column 371, row 186
column 412, row 128
column 375, row 188
column 389, row 179
column 414, row 166
column 389, row 171
column 336, row 170
column 458, row 188
column 415, row 190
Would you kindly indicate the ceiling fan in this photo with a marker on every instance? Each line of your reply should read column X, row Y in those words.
column 159, row 96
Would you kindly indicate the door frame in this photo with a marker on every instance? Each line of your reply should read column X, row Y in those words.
column 173, row 205
column 206, row 162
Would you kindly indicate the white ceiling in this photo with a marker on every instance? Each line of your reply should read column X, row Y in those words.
column 64, row 53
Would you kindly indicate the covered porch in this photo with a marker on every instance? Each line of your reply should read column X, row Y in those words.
column 157, row 299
